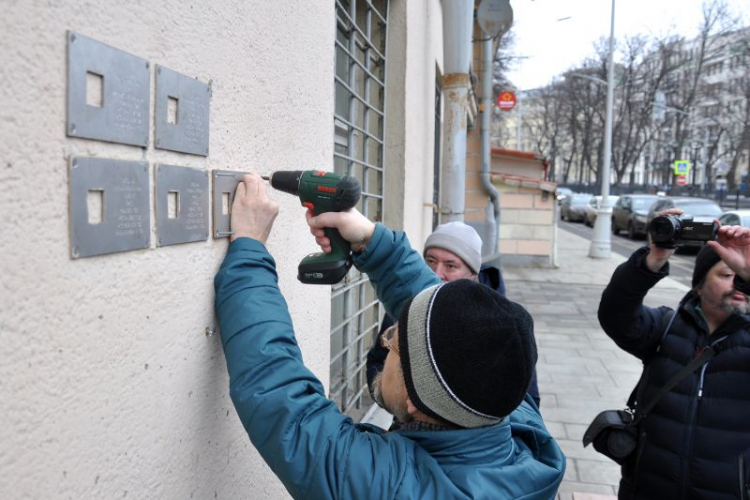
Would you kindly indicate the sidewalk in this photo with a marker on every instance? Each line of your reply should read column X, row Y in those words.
column 581, row 371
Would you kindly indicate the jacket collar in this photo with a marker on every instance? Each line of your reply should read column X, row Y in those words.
column 488, row 444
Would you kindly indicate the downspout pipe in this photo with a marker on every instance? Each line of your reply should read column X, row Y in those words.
column 458, row 21
column 494, row 217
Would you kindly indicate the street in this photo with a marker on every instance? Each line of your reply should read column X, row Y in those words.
column 680, row 265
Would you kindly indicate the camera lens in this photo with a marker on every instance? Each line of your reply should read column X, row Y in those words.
column 663, row 228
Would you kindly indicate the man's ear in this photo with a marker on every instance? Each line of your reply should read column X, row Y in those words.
column 410, row 408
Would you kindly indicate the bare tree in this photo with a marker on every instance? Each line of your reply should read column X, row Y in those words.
column 736, row 108
column 694, row 60
column 705, row 115
column 546, row 124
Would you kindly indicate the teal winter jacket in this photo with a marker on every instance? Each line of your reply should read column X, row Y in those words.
column 318, row 452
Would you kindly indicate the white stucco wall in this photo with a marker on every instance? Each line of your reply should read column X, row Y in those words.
column 109, row 387
column 417, row 27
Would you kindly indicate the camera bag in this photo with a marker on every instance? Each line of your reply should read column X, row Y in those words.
column 614, row 433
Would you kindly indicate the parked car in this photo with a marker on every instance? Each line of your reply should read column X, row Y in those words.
column 573, row 207
column 735, row 218
column 631, row 213
column 589, row 216
column 561, row 193
column 697, row 207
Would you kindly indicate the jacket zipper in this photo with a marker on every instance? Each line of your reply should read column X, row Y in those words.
column 744, row 482
column 693, row 415
column 636, row 468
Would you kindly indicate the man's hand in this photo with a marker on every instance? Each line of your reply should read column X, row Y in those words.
column 253, row 212
column 733, row 246
column 352, row 225
column 659, row 256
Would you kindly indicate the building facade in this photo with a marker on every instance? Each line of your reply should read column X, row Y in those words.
column 118, row 117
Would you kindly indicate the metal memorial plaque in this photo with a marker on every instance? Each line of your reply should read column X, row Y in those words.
column 181, row 205
column 109, row 206
column 224, row 185
column 108, row 93
column 181, row 113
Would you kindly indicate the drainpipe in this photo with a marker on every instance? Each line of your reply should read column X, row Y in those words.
column 494, row 217
column 458, row 21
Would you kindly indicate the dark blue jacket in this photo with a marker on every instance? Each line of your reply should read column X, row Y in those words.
column 695, row 444
column 319, row 453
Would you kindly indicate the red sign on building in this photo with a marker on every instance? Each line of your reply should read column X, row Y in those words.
column 506, row 100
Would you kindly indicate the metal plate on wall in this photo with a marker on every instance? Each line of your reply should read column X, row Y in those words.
column 183, row 127
column 188, row 221
column 109, row 206
column 120, row 83
column 224, row 185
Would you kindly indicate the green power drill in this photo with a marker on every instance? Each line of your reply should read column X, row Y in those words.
column 322, row 192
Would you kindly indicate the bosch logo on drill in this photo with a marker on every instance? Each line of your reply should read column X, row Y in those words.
column 327, row 189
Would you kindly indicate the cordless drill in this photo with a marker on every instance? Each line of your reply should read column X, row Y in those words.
column 322, row 192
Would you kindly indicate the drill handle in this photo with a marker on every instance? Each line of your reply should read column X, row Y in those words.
column 340, row 248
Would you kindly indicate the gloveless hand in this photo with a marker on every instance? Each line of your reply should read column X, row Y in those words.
column 253, row 212
column 733, row 246
column 352, row 225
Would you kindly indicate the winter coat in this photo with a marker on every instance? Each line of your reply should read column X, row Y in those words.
column 318, row 452
column 695, row 444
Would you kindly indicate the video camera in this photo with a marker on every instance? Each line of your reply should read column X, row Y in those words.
column 668, row 231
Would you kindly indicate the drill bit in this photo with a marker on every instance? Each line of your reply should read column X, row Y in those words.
column 265, row 177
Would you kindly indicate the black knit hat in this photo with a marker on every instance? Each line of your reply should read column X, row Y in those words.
column 467, row 353
column 704, row 261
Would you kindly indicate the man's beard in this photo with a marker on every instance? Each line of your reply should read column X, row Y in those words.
column 729, row 306
column 399, row 411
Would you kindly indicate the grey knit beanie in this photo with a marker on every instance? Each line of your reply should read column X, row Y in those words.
column 467, row 353
column 460, row 239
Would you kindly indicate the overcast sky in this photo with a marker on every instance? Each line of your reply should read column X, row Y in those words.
column 551, row 45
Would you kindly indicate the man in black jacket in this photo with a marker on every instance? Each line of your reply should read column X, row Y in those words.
column 453, row 251
column 695, row 444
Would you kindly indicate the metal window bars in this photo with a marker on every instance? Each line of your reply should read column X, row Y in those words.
column 359, row 131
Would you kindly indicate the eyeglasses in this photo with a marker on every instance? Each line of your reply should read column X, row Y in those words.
column 386, row 337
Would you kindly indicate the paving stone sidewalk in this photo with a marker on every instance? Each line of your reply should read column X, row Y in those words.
column 581, row 371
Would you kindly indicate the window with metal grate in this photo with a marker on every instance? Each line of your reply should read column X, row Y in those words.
column 359, row 124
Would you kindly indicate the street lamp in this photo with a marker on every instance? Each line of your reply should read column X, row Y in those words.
column 601, row 242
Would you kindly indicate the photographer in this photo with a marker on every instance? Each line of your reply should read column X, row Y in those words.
column 695, row 443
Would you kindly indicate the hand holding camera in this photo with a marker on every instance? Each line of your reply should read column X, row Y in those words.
column 670, row 230
column 733, row 246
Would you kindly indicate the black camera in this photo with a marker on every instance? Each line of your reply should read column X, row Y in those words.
column 668, row 231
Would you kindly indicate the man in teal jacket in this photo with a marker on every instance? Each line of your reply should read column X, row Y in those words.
column 456, row 375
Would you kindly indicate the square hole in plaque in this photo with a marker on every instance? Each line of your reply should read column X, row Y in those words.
column 95, row 206
column 173, row 204
column 173, row 110
column 226, row 206
column 94, row 89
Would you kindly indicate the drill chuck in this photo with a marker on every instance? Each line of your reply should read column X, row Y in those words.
column 287, row 181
